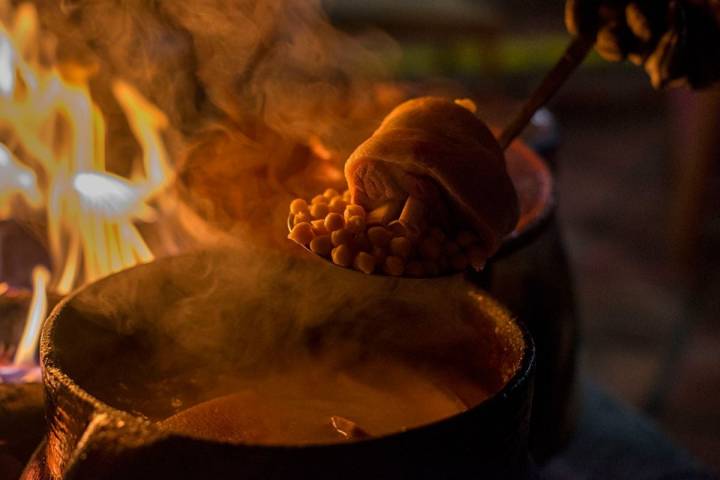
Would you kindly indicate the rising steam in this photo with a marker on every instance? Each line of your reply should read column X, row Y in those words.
column 260, row 99
column 261, row 71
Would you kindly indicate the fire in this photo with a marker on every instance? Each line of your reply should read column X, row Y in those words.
column 53, row 162
column 25, row 354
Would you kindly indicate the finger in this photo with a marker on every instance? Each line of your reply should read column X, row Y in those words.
column 638, row 23
column 614, row 42
column 665, row 65
column 648, row 19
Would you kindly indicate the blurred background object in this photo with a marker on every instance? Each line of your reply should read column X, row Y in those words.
column 637, row 174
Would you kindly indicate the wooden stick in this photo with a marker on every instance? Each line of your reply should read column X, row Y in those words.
column 573, row 57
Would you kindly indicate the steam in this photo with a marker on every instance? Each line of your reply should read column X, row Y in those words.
column 201, row 322
column 263, row 98
column 268, row 71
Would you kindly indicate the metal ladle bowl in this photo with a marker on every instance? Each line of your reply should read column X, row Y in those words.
column 534, row 184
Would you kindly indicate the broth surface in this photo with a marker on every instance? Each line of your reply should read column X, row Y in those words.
column 316, row 404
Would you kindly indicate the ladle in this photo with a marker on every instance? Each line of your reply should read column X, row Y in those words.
column 573, row 57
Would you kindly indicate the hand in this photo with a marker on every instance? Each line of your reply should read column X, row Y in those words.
column 677, row 41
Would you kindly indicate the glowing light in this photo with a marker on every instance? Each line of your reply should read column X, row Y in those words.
column 59, row 136
column 7, row 70
column 106, row 195
column 25, row 354
column 4, row 287
column 16, row 180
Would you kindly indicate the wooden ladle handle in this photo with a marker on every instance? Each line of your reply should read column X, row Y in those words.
column 573, row 57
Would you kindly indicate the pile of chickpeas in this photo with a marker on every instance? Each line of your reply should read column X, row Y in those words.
column 332, row 227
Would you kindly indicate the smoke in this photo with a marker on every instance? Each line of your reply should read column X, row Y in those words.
column 250, row 82
column 195, row 324
column 265, row 99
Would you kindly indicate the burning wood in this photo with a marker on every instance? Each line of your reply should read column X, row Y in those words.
column 429, row 194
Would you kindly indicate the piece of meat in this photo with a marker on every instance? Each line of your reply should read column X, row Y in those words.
column 430, row 151
column 348, row 429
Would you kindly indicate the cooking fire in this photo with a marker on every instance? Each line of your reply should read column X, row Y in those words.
column 180, row 323
column 99, row 215
column 53, row 166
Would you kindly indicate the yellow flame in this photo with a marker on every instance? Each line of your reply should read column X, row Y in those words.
column 16, row 180
column 25, row 353
column 54, row 158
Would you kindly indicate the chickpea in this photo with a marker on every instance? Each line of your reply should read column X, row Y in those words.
column 431, row 269
column 443, row 264
column 465, row 238
column 437, row 234
column 337, row 205
column 459, row 262
column 321, row 245
column 334, row 221
column 477, row 257
column 361, row 243
column 347, row 196
column 342, row 237
column 302, row 233
column 451, row 248
column 380, row 254
column 401, row 247
column 397, row 229
column 356, row 224
column 319, row 227
column 330, row 193
column 414, row 269
column 365, row 262
column 319, row 199
column 301, row 218
column 342, row 255
column 394, row 266
column 298, row 206
column 319, row 210
column 430, row 248
column 352, row 210
column 379, row 236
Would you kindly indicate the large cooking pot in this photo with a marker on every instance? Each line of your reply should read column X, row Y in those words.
column 148, row 342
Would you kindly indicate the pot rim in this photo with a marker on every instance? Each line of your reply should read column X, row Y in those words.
column 543, row 209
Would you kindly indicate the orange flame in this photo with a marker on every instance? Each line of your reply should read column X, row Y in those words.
column 25, row 353
column 55, row 159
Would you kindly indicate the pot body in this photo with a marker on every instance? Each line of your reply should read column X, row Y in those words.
column 532, row 278
column 535, row 283
column 90, row 439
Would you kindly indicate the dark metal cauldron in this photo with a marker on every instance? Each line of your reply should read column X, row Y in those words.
column 115, row 353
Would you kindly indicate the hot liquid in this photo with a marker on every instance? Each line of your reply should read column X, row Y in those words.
column 317, row 405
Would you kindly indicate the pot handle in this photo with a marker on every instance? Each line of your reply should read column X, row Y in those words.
column 106, row 442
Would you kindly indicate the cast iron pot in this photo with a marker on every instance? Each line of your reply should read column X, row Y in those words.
column 127, row 350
